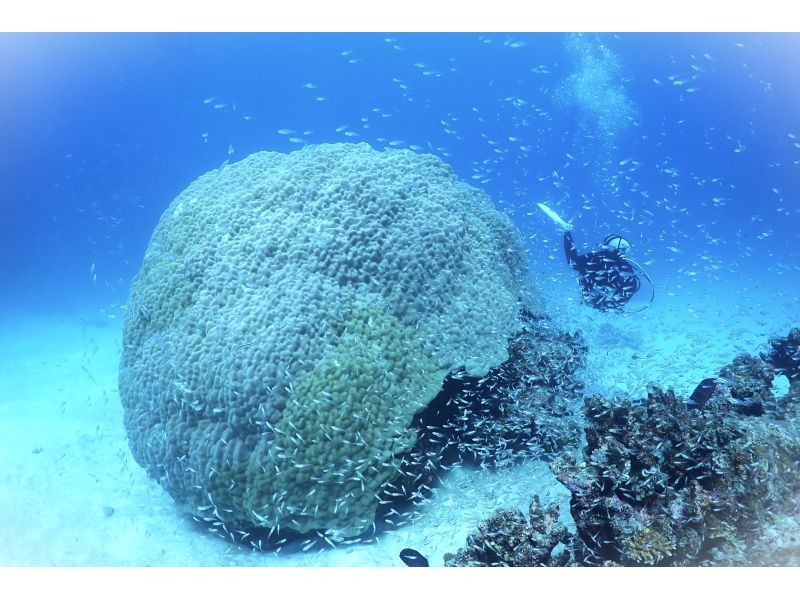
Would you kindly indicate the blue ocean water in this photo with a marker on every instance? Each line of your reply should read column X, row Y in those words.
column 686, row 144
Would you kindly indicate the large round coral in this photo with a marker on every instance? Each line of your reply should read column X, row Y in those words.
column 293, row 313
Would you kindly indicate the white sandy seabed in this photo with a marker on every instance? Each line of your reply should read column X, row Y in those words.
column 71, row 493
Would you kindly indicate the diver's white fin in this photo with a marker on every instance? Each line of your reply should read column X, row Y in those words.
column 562, row 224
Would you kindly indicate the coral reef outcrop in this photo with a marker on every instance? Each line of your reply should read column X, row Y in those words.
column 509, row 539
column 713, row 480
column 784, row 356
column 670, row 482
column 527, row 406
column 293, row 313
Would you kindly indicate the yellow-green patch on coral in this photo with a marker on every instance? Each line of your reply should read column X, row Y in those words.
column 348, row 419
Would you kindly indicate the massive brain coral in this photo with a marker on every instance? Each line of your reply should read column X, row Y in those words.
column 293, row 313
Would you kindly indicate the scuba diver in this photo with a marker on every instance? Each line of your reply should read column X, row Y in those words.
column 607, row 276
column 608, row 280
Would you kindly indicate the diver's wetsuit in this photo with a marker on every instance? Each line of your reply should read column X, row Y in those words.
column 607, row 280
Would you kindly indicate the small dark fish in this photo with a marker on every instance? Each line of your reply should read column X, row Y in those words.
column 412, row 558
column 751, row 407
column 702, row 393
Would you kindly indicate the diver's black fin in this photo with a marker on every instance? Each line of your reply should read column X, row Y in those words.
column 412, row 558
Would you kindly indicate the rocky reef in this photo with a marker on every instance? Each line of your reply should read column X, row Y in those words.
column 713, row 480
column 525, row 406
column 508, row 539
column 784, row 357
column 293, row 314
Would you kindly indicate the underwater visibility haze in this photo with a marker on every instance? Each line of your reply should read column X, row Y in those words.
column 461, row 299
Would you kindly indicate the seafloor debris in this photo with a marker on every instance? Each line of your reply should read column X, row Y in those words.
column 664, row 481
column 508, row 539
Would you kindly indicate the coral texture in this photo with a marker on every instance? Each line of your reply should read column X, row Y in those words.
column 668, row 483
column 508, row 539
column 708, row 481
column 784, row 356
column 293, row 313
column 526, row 406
